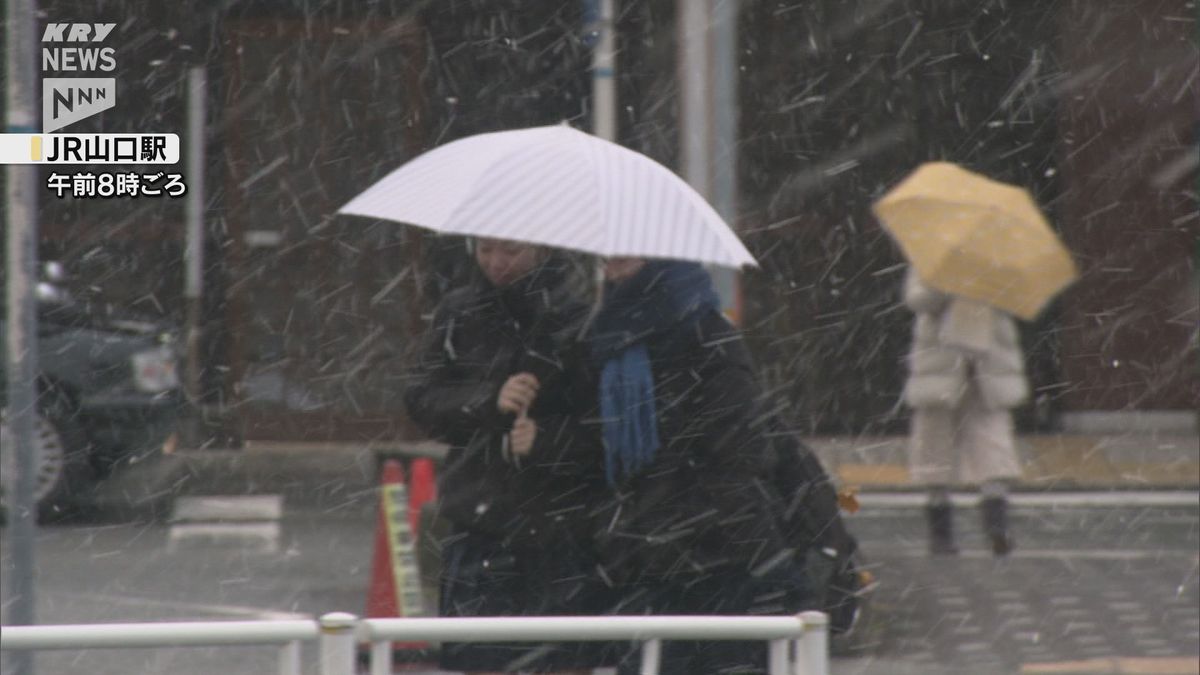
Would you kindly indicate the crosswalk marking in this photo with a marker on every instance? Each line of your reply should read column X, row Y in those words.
column 246, row 521
column 228, row 508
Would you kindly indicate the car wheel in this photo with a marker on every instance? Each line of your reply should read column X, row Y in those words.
column 61, row 464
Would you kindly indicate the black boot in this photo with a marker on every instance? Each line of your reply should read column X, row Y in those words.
column 995, row 524
column 941, row 529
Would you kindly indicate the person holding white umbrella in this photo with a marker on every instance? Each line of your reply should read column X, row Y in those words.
column 683, row 459
column 493, row 380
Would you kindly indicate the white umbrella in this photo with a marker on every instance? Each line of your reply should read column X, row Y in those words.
column 558, row 187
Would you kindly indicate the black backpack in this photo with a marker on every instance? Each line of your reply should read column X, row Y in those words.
column 811, row 522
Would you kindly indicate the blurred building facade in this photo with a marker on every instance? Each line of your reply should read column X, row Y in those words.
column 308, row 316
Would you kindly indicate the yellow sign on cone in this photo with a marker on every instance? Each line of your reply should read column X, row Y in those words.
column 978, row 238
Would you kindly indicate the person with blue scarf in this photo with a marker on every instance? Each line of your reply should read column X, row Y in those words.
column 689, row 525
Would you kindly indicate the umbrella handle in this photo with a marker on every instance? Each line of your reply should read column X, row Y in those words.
column 506, row 444
column 506, row 451
column 598, row 277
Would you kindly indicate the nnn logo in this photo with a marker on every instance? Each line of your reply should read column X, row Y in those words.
column 66, row 100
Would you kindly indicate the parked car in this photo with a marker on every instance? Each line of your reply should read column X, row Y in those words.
column 108, row 396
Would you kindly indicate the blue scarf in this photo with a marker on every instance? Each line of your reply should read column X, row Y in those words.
column 663, row 296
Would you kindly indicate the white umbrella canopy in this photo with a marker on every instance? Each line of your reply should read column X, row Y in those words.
column 559, row 187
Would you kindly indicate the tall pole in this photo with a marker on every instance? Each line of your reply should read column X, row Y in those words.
column 21, row 343
column 193, row 287
column 604, row 71
column 725, row 129
column 695, row 111
column 707, row 75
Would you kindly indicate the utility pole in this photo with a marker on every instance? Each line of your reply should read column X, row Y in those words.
column 193, row 287
column 707, row 75
column 604, row 69
column 725, row 142
column 21, row 343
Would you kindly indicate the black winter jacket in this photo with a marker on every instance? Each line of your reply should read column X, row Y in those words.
column 703, row 503
column 479, row 337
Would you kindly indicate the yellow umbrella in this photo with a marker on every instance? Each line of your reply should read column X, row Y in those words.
column 974, row 237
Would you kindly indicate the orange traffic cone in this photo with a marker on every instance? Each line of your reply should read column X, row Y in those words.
column 395, row 579
column 422, row 489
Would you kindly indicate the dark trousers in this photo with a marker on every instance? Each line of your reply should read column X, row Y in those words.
column 730, row 592
column 482, row 577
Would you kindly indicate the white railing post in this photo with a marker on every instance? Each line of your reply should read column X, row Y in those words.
column 381, row 658
column 651, row 656
column 337, row 643
column 777, row 657
column 289, row 658
column 812, row 649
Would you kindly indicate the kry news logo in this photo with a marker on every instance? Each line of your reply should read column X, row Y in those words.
column 66, row 100
column 78, row 48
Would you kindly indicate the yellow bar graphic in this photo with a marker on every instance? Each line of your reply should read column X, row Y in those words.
column 35, row 148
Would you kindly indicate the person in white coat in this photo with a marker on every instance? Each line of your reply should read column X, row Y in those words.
column 966, row 373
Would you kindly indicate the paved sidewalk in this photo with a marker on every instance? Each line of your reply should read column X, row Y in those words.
column 1051, row 461
column 1087, row 590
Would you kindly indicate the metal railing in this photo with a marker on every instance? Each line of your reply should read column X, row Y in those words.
column 796, row 645
column 288, row 635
